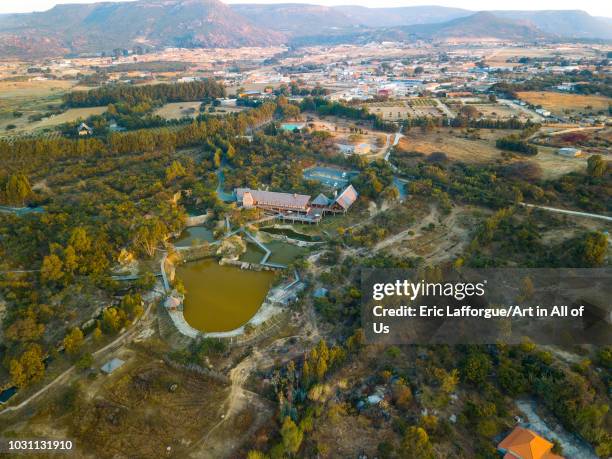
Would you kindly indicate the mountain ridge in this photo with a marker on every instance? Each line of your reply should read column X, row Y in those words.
column 82, row 28
column 105, row 26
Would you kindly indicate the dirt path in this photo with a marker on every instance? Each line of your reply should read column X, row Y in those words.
column 216, row 443
column 430, row 218
column 569, row 212
column 137, row 327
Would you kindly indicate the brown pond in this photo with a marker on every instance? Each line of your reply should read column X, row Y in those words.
column 221, row 298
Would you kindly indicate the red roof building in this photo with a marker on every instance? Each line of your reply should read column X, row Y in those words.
column 523, row 443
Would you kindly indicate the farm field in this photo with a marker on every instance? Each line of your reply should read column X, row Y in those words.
column 483, row 150
column 402, row 109
column 499, row 111
column 499, row 56
column 31, row 98
column 176, row 110
column 558, row 102
column 31, row 89
column 23, row 125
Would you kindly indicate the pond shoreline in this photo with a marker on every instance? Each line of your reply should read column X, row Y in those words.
column 269, row 308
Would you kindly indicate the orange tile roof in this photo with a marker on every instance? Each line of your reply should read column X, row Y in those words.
column 525, row 444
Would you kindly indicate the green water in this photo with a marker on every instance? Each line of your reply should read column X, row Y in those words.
column 221, row 298
column 253, row 254
column 282, row 252
column 194, row 236
column 290, row 233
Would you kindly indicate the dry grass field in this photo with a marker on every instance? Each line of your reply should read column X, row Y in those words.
column 499, row 111
column 146, row 406
column 31, row 89
column 340, row 129
column 558, row 102
column 23, row 125
column 483, row 150
column 33, row 98
column 177, row 110
column 499, row 56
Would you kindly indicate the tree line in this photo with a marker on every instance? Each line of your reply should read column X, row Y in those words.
column 133, row 95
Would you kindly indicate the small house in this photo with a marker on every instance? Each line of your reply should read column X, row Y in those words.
column 344, row 200
column 84, row 130
column 112, row 365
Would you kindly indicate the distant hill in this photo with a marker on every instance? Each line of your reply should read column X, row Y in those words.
column 565, row 23
column 296, row 19
column 301, row 20
column 90, row 28
column 408, row 15
column 480, row 25
column 97, row 27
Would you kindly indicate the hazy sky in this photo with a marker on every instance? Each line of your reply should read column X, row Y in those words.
column 594, row 7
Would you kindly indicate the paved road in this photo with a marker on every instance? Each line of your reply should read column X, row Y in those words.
column 569, row 212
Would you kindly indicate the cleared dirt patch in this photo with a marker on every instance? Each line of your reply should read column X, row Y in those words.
column 140, row 409
column 176, row 110
column 459, row 147
column 558, row 102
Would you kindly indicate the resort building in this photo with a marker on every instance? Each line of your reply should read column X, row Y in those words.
column 296, row 207
column 523, row 443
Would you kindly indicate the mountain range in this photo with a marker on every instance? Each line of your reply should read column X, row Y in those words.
column 90, row 28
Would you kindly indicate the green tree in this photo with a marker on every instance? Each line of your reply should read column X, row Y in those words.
column 416, row 445
column 112, row 319
column 596, row 166
column 51, row 269
column 79, row 240
column 17, row 189
column 476, row 368
column 85, row 361
column 32, row 363
column 149, row 234
column 593, row 248
column 18, row 376
column 71, row 262
column 175, row 170
column 292, row 436
column 231, row 152
column 73, row 341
